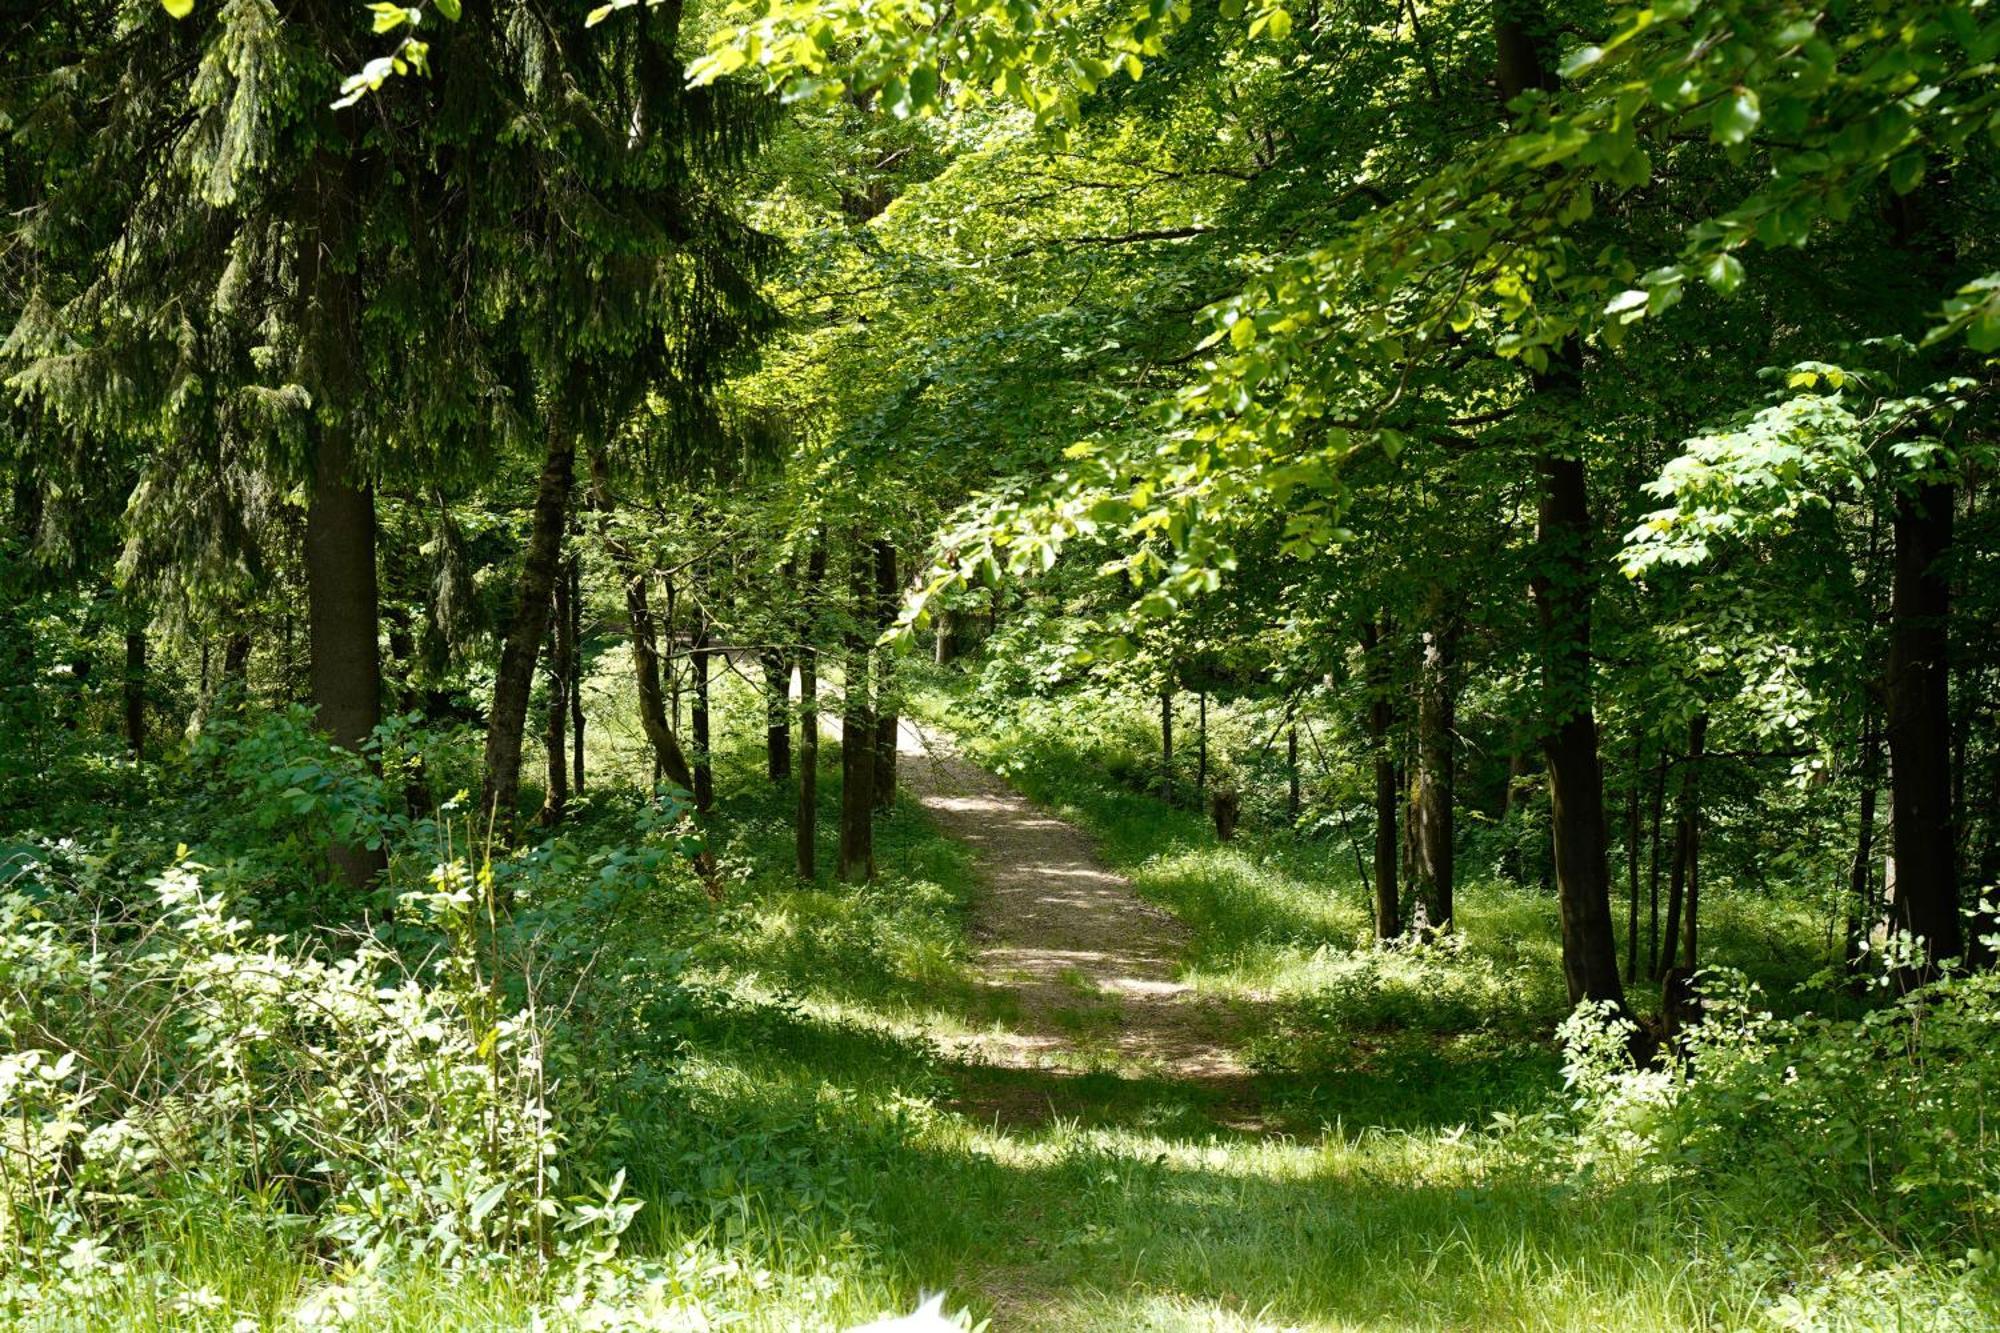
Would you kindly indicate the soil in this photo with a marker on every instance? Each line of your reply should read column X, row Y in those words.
column 1086, row 972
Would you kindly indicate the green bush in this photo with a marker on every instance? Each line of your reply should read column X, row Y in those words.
column 165, row 1063
column 1878, row 1126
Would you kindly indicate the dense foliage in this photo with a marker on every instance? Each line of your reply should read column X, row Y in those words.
column 1484, row 512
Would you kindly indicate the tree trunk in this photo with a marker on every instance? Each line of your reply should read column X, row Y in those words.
column 1653, row 867
column 1563, row 588
column 886, row 703
column 1388, row 917
column 1201, row 744
column 555, row 738
column 342, row 597
column 342, row 618
column 1860, row 872
column 704, row 767
column 1511, row 867
column 857, row 729
column 941, row 632
column 806, row 821
column 1686, row 848
column 777, row 714
column 507, row 723
column 135, row 691
column 1919, row 725
column 575, row 669
column 668, row 757
column 1436, row 832
column 1632, row 827
column 1293, row 802
column 1167, row 742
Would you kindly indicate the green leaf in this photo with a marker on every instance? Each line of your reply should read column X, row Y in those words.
column 923, row 87
column 450, row 10
column 179, row 9
column 1580, row 60
column 1724, row 273
column 1736, row 116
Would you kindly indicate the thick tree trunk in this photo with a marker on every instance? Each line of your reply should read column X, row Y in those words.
column 1564, row 588
column 704, row 767
column 555, row 736
column 1564, row 585
column 1686, row 848
column 342, row 598
column 507, row 723
column 887, row 707
column 1919, row 725
column 342, row 608
column 777, row 714
column 1388, row 916
column 135, row 692
column 806, row 821
column 1435, row 831
column 941, row 630
column 668, row 757
column 857, row 729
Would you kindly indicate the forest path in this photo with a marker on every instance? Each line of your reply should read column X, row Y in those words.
column 1082, row 971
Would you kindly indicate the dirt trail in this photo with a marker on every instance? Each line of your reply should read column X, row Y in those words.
column 1086, row 969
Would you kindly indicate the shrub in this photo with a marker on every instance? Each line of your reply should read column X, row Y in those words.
column 164, row 1061
column 1878, row 1126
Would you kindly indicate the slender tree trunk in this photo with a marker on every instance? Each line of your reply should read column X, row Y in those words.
column 704, row 767
column 575, row 670
column 555, row 737
column 941, row 632
column 514, row 681
column 135, row 691
column 857, row 729
column 1293, row 796
column 1436, row 831
column 1919, row 724
column 777, row 714
column 669, row 759
column 1511, row 866
column 886, row 704
column 1653, row 867
column 1167, row 741
column 1201, row 745
column 806, row 821
column 1632, row 858
column 1686, row 849
column 1860, row 872
column 1388, row 917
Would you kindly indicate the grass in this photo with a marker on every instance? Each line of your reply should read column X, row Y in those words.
column 806, row 1166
